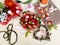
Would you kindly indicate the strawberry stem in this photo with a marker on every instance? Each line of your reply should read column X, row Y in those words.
column 26, row 34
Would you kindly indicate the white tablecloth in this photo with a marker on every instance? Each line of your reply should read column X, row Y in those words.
column 22, row 40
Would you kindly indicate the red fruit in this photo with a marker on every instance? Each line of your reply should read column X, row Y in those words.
column 24, row 26
column 28, row 17
column 38, row 7
column 47, row 14
column 9, row 17
column 34, row 21
column 14, row 7
column 29, row 26
column 4, row 23
column 40, row 11
column 29, row 22
column 49, row 22
column 43, row 16
column 9, row 3
column 45, row 9
column 22, row 19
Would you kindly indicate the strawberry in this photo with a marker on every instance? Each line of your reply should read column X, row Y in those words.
column 9, row 3
column 40, row 11
column 16, row 10
column 38, row 7
column 24, row 26
column 14, row 7
column 47, row 14
column 29, row 20
column 49, row 22
column 43, row 16
column 45, row 9
column 9, row 17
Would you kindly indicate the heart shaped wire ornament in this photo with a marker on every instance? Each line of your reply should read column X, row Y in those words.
column 42, row 33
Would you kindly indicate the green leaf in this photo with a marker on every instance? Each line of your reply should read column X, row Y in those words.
column 21, row 22
column 50, row 27
column 27, row 33
column 24, row 12
column 39, row 22
column 55, row 27
column 18, row 1
column 1, row 5
column 27, row 2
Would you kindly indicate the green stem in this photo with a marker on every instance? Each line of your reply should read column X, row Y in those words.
column 27, row 2
column 27, row 33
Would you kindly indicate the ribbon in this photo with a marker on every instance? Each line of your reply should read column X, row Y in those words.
column 47, row 37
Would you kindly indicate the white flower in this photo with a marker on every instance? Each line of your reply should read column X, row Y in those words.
column 30, row 7
column 52, row 9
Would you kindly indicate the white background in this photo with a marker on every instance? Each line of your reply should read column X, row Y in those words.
column 55, row 37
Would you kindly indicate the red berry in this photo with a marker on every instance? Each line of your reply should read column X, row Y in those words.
column 43, row 16
column 38, row 7
column 49, row 22
column 40, row 11
column 14, row 7
column 4, row 23
column 9, row 17
column 24, row 26
column 29, row 22
column 45, row 9
column 47, row 14
column 9, row 3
